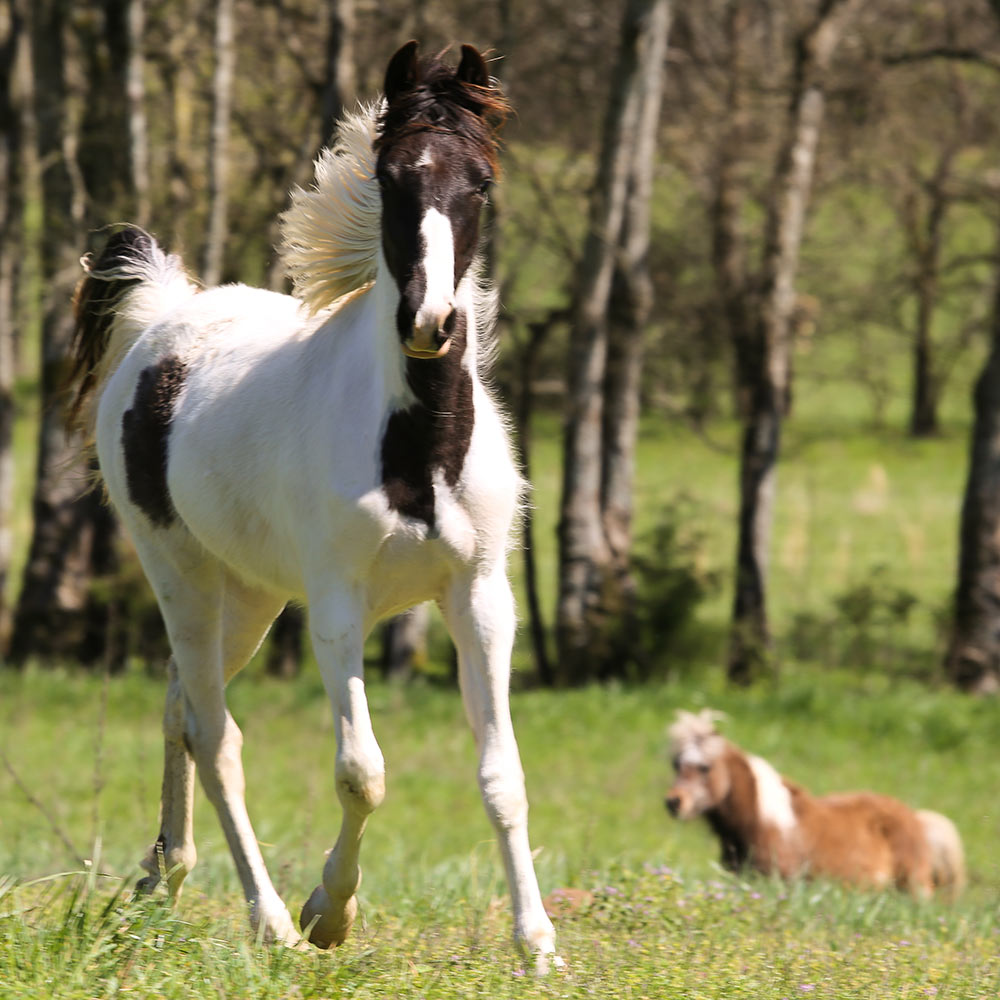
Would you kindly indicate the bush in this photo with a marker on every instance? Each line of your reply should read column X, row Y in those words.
column 672, row 579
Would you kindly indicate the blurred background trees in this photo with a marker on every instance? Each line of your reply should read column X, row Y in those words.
column 711, row 208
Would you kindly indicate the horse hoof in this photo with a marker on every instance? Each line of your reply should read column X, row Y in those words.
column 147, row 884
column 326, row 923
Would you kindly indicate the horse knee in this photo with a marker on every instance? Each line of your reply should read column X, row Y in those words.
column 361, row 782
column 504, row 797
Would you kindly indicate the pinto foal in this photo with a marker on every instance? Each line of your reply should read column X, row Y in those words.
column 338, row 446
column 765, row 821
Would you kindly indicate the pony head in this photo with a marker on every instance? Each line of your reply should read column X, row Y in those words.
column 697, row 752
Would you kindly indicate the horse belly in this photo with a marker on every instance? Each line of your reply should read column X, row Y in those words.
column 849, row 842
column 403, row 576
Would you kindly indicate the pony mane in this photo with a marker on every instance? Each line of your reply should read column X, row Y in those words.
column 693, row 735
column 330, row 233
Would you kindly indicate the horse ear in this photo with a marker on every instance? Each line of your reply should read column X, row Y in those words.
column 401, row 73
column 472, row 69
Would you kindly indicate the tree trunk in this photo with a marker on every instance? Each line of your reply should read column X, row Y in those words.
column 729, row 258
column 973, row 659
column 404, row 643
column 584, row 554
column 59, row 616
column 10, row 235
column 340, row 85
column 284, row 655
column 629, row 309
column 537, row 334
column 135, row 91
column 927, row 238
column 767, row 355
column 218, row 152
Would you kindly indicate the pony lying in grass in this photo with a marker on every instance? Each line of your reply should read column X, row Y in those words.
column 338, row 446
column 766, row 822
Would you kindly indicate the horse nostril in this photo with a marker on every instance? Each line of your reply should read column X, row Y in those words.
column 673, row 803
column 446, row 329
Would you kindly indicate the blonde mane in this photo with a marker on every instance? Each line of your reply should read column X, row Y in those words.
column 330, row 232
column 693, row 735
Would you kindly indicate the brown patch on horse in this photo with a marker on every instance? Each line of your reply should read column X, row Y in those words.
column 146, row 435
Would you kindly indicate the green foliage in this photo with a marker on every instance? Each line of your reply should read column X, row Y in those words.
column 672, row 580
column 867, row 628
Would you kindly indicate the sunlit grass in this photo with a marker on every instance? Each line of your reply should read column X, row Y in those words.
column 435, row 920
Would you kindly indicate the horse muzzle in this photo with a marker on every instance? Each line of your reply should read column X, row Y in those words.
column 431, row 335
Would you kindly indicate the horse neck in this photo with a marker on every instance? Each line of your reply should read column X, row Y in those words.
column 735, row 819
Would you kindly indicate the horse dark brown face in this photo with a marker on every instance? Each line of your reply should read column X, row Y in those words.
column 436, row 161
column 700, row 785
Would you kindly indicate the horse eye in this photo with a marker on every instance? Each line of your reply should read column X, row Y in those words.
column 704, row 768
column 484, row 188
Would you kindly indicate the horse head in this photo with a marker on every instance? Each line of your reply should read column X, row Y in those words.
column 436, row 159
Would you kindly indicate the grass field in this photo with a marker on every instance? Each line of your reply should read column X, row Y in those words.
column 436, row 922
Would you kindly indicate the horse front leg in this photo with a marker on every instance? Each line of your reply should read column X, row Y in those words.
column 480, row 616
column 359, row 769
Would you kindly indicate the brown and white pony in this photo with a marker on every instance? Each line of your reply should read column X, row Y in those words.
column 767, row 822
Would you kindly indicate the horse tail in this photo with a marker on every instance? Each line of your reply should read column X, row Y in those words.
column 128, row 285
column 947, row 855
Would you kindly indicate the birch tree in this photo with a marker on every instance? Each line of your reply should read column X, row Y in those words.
column 763, row 345
column 218, row 147
column 138, row 128
column 585, row 551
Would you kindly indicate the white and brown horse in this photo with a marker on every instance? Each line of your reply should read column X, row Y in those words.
column 337, row 446
column 766, row 822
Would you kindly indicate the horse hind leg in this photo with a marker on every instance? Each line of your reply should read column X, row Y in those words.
column 173, row 854
column 214, row 625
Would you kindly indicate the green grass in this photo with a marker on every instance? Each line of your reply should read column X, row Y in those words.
column 436, row 921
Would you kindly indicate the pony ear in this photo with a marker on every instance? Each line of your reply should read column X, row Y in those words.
column 472, row 69
column 401, row 73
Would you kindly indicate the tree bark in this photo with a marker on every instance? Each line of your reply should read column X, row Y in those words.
column 284, row 656
column 926, row 233
column 584, row 552
column 218, row 152
column 10, row 235
column 404, row 643
column 58, row 616
column 138, row 132
column 973, row 658
column 340, row 84
column 629, row 310
column 537, row 334
column 765, row 359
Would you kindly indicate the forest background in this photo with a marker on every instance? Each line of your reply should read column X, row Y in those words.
column 732, row 237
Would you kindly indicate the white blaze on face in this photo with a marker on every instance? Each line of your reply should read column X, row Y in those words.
column 439, row 272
